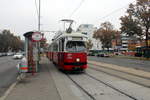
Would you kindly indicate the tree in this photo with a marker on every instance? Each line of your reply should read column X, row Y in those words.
column 5, row 41
column 17, row 44
column 89, row 44
column 137, row 20
column 105, row 34
column 10, row 42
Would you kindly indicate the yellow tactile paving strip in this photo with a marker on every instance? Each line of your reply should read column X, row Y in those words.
column 122, row 68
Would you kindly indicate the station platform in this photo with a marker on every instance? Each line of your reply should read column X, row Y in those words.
column 36, row 87
column 48, row 84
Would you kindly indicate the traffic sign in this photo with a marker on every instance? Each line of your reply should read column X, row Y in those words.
column 37, row 36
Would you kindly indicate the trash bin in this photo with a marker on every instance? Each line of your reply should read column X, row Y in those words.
column 22, row 66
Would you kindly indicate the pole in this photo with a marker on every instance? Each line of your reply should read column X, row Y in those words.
column 38, row 43
column 39, row 20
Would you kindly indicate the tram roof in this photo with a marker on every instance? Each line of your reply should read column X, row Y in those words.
column 73, row 34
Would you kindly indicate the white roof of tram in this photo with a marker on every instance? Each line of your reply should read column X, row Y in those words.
column 73, row 34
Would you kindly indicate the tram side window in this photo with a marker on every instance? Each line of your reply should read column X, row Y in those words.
column 55, row 48
column 60, row 46
column 62, row 41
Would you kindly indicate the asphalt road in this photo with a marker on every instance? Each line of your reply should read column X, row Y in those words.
column 137, row 64
column 8, row 72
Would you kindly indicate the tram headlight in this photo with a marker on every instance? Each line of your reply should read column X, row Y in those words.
column 78, row 60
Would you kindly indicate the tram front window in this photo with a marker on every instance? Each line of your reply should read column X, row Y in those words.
column 75, row 46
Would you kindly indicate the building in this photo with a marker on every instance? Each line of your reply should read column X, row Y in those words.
column 116, row 43
column 130, row 43
column 89, row 29
column 124, row 42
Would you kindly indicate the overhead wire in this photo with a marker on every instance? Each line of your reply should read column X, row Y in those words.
column 36, row 8
column 80, row 4
column 109, row 14
column 115, row 11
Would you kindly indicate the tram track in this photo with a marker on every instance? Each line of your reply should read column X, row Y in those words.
column 141, row 83
column 85, row 91
column 102, row 82
column 109, row 85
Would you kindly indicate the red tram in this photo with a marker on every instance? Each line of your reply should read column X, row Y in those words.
column 68, row 51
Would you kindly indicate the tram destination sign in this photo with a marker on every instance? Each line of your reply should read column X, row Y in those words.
column 76, row 38
column 37, row 36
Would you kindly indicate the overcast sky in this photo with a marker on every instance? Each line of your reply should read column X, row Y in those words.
column 20, row 16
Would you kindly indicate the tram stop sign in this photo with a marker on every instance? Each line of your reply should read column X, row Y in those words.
column 36, row 37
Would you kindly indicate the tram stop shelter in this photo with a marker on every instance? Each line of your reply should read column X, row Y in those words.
column 31, row 52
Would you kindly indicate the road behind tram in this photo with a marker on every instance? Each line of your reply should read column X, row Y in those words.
column 132, row 63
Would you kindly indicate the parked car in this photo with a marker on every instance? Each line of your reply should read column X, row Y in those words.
column 18, row 56
column 1, row 54
column 4, row 54
column 9, row 54
column 91, row 54
column 103, row 55
column 106, row 55
column 100, row 55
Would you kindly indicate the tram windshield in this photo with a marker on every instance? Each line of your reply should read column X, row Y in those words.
column 75, row 46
